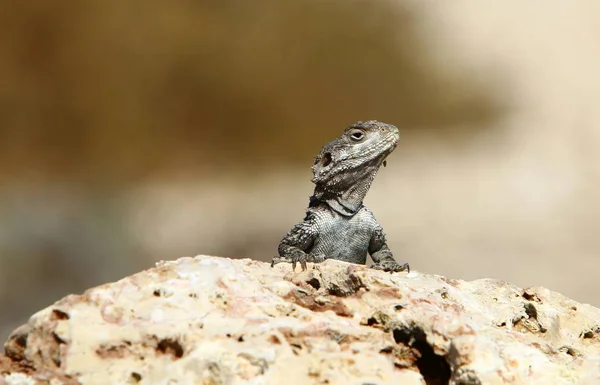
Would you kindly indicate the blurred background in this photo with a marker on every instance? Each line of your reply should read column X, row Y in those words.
column 137, row 131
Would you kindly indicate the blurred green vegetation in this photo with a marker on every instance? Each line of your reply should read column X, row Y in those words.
column 115, row 91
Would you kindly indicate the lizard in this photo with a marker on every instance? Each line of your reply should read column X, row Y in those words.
column 337, row 225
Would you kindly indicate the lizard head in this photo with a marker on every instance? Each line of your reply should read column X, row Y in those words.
column 346, row 166
column 361, row 149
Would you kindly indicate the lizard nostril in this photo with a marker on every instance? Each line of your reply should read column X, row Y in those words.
column 326, row 159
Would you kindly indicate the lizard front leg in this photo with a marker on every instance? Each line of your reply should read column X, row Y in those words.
column 296, row 244
column 381, row 253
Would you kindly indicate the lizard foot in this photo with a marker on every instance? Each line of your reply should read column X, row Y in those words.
column 302, row 259
column 392, row 266
column 314, row 258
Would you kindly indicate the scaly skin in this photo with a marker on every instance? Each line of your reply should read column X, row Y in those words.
column 337, row 225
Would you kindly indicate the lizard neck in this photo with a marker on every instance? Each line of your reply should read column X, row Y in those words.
column 346, row 202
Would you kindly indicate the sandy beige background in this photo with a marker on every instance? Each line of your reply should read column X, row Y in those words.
column 134, row 133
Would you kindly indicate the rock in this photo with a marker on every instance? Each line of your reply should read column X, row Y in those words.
column 210, row 320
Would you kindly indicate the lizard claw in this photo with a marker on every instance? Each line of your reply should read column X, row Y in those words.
column 299, row 258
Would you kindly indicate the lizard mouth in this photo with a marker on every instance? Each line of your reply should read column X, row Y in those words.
column 393, row 147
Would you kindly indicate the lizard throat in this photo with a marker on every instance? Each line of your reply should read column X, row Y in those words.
column 342, row 208
column 347, row 198
column 346, row 202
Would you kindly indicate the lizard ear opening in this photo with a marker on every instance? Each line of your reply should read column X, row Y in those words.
column 326, row 159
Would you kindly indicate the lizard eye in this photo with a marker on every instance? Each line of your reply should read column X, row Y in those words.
column 326, row 159
column 357, row 135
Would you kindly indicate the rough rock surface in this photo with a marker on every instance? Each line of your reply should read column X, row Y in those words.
column 209, row 320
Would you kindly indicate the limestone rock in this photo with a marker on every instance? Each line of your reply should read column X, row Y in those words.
column 210, row 320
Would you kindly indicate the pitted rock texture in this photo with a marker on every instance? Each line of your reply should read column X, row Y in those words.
column 210, row 320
